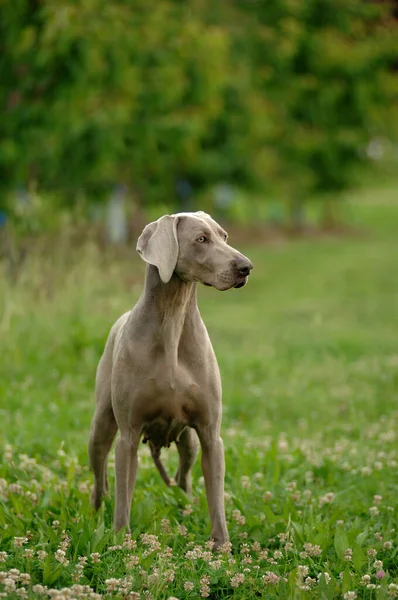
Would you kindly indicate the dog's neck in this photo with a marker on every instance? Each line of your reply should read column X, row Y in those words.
column 171, row 306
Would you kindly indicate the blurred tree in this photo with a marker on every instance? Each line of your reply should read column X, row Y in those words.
column 320, row 85
column 98, row 92
column 274, row 95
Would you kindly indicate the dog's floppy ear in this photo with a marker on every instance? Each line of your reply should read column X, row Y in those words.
column 158, row 245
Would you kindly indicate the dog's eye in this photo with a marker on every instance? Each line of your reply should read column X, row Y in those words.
column 201, row 239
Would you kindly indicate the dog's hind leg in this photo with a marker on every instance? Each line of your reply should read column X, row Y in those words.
column 188, row 447
column 102, row 434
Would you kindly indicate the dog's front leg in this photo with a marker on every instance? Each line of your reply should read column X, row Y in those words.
column 213, row 467
column 126, row 462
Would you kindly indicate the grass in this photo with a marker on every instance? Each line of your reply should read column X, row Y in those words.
column 309, row 361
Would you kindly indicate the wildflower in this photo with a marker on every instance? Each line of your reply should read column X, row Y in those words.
column 95, row 557
column 393, row 590
column 215, row 564
column 327, row 498
column 245, row 549
column 380, row 574
column 377, row 499
column 372, row 552
column 9, row 585
column 167, row 553
column 326, row 576
column 237, row 579
column 278, row 554
column 24, row 578
column 371, row 586
column 132, row 561
column 65, row 541
column 225, row 548
column 238, row 517
column 245, row 481
column 188, row 510
column 111, row 584
column 308, row 584
column 271, row 578
column 169, row 576
column 366, row 471
column 387, row 545
column 256, row 547
column 289, row 547
column 365, row 579
column 8, row 452
column 60, row 556
column 153, row 578
column 209, row 545
column 267, row 496
column 374, row 511
column 283, row 445
column 84, row 487
column 348, row 554
column 309, row 477
column 302, row 571
column 55, row 524
column 204, row 586
column 188, row 586
column 151, row 541
column 378, row 564
column 182, row 530
column 39, row 589
column 16, row 488
column 14, row 574
column 20, row 541
column 312, row 550
column 3, row 556
column 28, row 553
column 165, row 525
column 129, row 543
column 350, row 596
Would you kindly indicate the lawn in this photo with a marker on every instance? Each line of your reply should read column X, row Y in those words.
column 308, row 353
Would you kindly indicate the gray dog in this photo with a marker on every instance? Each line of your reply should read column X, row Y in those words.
column 158, row 376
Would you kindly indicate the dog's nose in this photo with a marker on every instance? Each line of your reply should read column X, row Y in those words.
column 244, row 266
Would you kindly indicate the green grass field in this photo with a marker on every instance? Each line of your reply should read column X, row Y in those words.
column 308, row 353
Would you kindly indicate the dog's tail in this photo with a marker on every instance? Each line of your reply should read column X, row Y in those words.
column 155, row 452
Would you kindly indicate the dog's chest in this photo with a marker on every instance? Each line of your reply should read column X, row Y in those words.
column 172, row 392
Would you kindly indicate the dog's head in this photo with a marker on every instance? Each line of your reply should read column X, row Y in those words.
column 195, row 247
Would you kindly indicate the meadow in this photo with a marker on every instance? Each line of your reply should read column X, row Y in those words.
column 308, row 353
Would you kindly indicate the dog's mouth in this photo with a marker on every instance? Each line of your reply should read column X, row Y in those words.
column 241, row 283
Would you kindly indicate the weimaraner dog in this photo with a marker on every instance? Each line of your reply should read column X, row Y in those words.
column 158, row 377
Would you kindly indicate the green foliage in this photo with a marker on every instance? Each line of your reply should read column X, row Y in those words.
column 280, row 96
column 308, row 356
